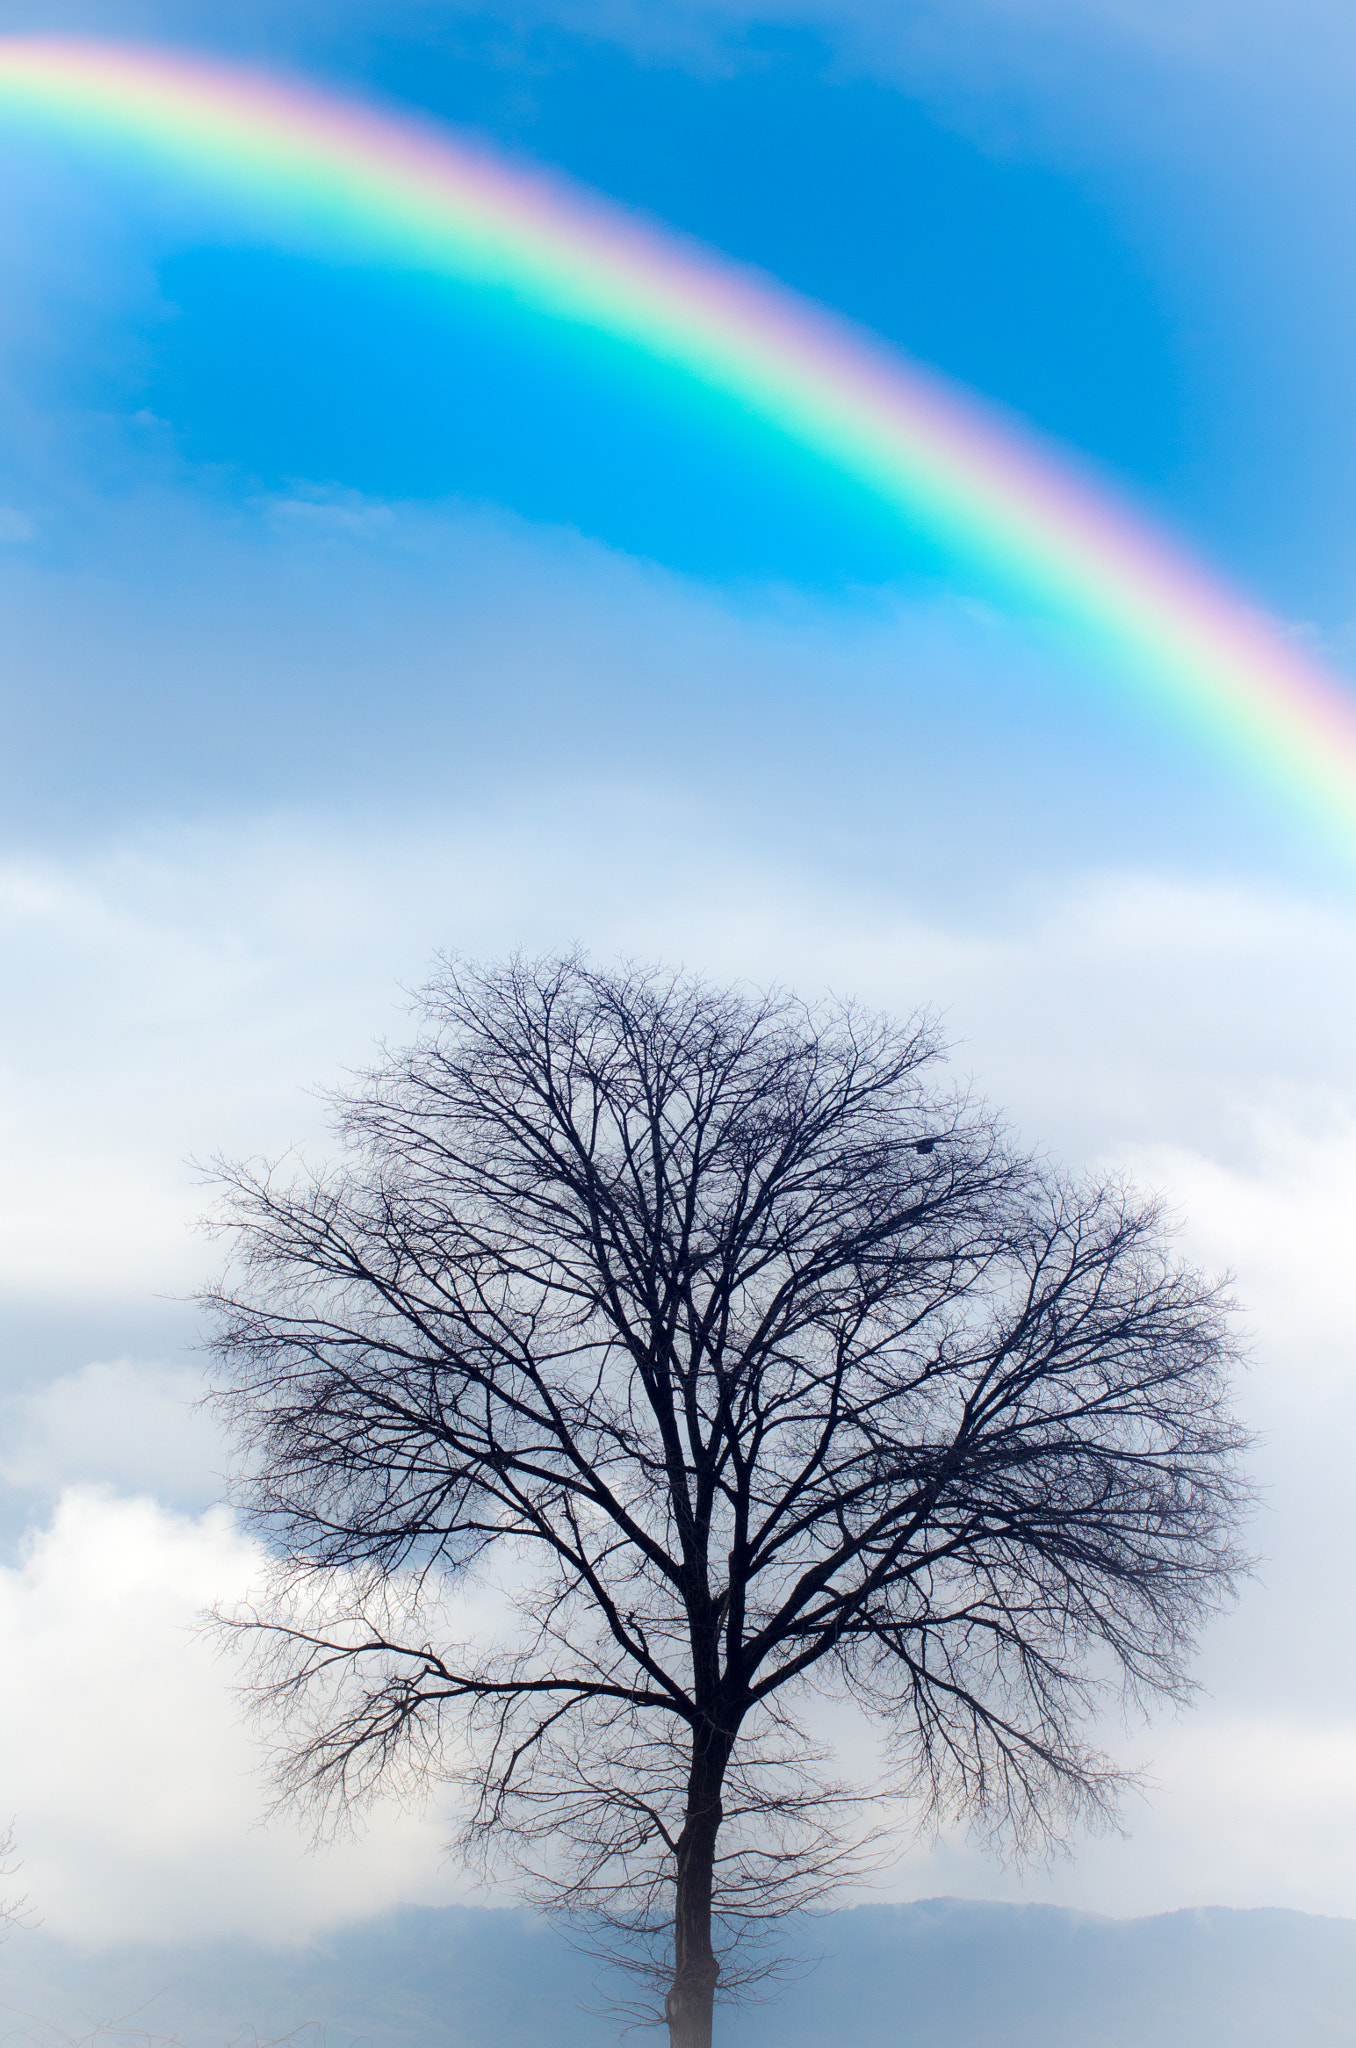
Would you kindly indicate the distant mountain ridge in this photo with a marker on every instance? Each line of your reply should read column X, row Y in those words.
column 943, row 1973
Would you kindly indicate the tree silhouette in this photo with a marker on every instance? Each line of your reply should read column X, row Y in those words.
column 660, row 1358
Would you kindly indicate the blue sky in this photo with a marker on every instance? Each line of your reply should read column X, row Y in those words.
column 345, row 619
column 166, row 362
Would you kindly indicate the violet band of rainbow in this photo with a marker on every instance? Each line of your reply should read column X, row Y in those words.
column 400, row 187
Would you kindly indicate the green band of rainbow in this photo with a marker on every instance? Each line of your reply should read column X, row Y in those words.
column 402, row 188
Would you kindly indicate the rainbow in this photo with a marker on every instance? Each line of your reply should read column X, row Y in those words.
column 400, row 188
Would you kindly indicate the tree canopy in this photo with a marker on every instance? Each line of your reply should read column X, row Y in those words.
column 660, row 1358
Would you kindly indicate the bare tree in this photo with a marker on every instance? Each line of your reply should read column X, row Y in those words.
column 660, row 1358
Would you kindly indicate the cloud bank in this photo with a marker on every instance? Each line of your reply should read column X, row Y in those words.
column 1122, row 1018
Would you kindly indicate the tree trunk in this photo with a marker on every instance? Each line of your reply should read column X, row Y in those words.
column 692, row 1994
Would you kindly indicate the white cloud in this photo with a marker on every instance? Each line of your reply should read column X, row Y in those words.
column 1238, row 1810
column 1286, row 1219
column 131, row 1425
column 1249, row 1806
column 138, row 1789
column 232, row 969
column 135, row 1787
column 1198, row 1031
